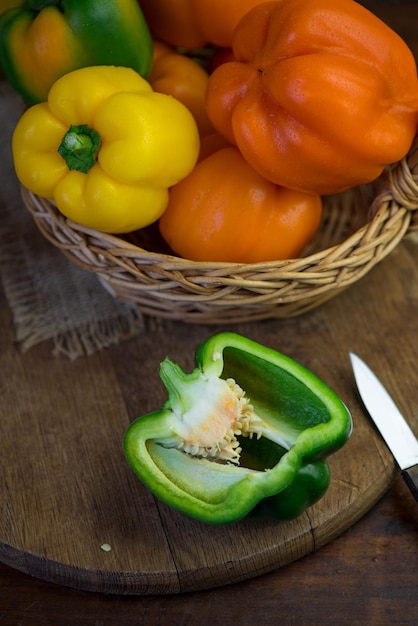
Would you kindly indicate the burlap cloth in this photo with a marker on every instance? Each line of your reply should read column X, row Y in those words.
column 50, row 298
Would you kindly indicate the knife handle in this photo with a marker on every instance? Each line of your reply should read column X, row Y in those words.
column 411, row 478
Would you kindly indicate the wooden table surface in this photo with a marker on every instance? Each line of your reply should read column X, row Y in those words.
column 368, row 575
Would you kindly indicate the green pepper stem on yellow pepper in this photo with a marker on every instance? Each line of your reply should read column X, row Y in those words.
column 79, row 148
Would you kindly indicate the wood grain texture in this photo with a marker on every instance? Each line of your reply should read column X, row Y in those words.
column 67, row 488
column 368, row 576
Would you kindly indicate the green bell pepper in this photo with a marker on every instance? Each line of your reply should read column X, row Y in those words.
column 247, row 432
column 40, row 40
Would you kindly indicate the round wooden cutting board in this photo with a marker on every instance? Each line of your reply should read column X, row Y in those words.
column 74, row 513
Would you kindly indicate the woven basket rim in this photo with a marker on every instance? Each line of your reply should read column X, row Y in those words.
column 400, row 185
column 159, row 281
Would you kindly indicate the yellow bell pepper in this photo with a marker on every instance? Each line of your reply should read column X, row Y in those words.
column 106, row 148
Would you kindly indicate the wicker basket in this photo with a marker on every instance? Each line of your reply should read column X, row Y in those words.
column 359, row 228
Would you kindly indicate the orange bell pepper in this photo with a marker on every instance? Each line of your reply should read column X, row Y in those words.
column 322, row 95
column 220, row 56
column 177, row 75
column 210, row 143
column 240, row 217
column 192, row 24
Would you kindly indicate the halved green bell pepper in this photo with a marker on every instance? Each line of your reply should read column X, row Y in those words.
column 41, row 40
column 246, row 432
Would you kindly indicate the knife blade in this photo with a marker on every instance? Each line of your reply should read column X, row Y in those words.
column 389, row 421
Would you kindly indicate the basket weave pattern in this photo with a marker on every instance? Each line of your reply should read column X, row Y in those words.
column 359, row 228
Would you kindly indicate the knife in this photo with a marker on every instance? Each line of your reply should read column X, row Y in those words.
column 391, row 424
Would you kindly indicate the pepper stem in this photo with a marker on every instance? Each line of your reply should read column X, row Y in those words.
column 179, row 386
column 79, row 148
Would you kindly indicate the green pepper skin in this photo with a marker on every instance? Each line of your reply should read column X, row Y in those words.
column 308, row 486
column 40, row 40
column 301, row 421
